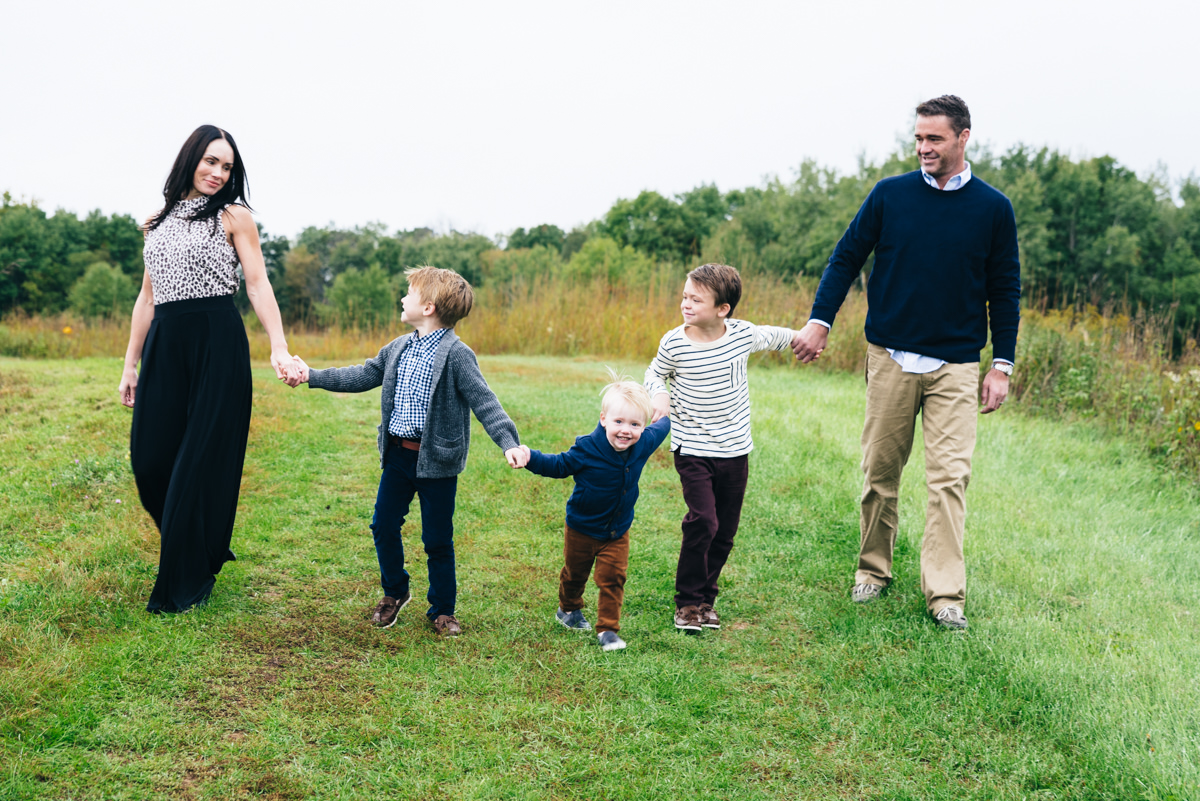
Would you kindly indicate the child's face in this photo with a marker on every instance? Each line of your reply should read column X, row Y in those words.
column 699, row 306
column 623, row 423
column 412, row 307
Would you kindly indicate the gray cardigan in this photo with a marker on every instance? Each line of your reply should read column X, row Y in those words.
column 458, row 389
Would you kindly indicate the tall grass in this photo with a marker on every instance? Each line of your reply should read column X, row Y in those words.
column 1071, row 364
column 529, row 317
column 1074, row 364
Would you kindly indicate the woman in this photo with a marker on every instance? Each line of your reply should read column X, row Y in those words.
column 192, row 416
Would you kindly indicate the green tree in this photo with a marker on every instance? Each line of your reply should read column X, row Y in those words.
column 671, row 230
column 303, row 285
column 503, row 266
column 1111, row 263
column 605, row 259
column 545, row 235
column 103, row 291
column 1179, row 283
column 361, row 298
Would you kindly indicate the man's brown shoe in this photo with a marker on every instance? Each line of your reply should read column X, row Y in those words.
column 447, row 626
column 387, row 610
column 708, row 617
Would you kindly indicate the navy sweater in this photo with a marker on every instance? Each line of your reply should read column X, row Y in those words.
column 942, row 261
column 606, row 480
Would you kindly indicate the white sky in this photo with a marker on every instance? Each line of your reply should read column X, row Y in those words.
column 488, row 116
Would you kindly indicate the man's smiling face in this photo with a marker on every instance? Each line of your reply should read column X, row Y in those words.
column 940, row 150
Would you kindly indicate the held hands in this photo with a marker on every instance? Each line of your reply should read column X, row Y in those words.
column 303, row 368
column 285, row 367
column 298, row 369
column 809, row 343
column 517, row 457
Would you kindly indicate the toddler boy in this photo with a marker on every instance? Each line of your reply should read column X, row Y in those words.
column 709, row 406
column 431, row 383
column 606, row 465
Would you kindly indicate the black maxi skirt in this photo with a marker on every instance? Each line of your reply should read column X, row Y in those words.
column 191, row 418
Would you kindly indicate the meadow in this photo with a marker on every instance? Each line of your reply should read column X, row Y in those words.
column 1077, row 679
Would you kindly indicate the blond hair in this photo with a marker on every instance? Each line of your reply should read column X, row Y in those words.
column 448, row 291
column 623, row 388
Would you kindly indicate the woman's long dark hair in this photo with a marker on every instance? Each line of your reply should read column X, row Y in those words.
column 179, row 182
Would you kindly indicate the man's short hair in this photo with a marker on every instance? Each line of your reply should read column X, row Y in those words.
column 722, row 280
column 623, row 388
column 448, row 291
column 952, row 107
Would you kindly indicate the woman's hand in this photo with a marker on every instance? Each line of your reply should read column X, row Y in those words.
column 128, row 387
column 285, row 366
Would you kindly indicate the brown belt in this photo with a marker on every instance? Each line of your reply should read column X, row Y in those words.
column 409, row 444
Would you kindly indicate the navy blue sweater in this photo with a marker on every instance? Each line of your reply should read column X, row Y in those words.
column 606, row 480
column 942, row 261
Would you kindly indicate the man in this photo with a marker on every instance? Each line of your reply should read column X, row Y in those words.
column 945, row 247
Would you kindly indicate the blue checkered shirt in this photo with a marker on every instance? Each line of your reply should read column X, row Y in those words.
column 414, row 383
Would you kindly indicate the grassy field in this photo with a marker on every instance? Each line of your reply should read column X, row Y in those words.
column 1079, row 678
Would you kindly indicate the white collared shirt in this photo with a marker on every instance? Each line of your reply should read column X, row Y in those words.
column 914, row 362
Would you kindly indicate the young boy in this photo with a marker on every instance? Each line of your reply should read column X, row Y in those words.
column 431, row 382
column 607, row 465
column 709, row 406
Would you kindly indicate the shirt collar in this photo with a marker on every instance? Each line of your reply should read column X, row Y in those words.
column 956, row 182
column 430, row 339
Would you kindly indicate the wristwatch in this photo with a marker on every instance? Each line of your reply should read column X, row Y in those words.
column 1003, row 367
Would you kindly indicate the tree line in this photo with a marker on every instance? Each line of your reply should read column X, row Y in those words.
column 1091, row 232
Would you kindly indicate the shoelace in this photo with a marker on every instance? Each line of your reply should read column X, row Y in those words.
column 945, row 613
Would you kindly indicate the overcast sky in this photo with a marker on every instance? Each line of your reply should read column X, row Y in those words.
column 489, row 116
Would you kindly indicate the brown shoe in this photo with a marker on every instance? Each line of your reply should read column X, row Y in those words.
column 447, row 626
column 387, row 609
column 687, row 618
column 708, row 617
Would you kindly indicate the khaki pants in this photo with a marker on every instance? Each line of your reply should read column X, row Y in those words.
column 947, row 400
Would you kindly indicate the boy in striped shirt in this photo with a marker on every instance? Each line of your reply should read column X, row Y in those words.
column 704, row 360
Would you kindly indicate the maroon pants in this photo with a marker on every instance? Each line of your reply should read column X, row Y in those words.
column 713, row 489
column 611, row 558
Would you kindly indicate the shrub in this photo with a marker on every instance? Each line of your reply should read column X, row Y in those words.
column 361, row 298
column 103, row 291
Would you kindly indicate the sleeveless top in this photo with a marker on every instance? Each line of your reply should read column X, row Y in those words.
column 189, row 259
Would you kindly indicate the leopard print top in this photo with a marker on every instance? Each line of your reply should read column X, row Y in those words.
column 190, row 259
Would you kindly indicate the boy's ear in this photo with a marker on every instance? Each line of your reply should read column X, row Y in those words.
column 428, row 310
column 724, row 310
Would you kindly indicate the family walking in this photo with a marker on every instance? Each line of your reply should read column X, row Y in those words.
column 945, row 271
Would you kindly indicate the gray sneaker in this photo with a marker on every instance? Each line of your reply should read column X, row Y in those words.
column 865, row 593
column 951, row 617
column 609, row 641
column 573, row 620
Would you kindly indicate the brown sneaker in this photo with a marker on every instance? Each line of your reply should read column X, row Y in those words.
column 708, row 617
column 688, row 618
column 387, row 609
column 447, row 626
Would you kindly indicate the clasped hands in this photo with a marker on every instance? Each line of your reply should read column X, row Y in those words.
column 291, row 370
column 295, row 372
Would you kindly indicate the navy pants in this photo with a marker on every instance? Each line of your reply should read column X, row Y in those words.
column 397, row 486
column 713, row 489
column 191, row 418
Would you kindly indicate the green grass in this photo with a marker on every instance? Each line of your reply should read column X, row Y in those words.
column 1078, row 678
